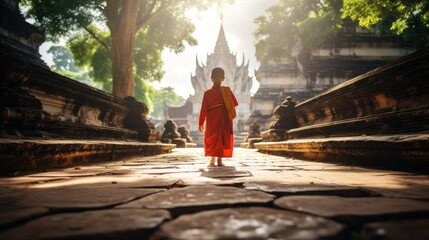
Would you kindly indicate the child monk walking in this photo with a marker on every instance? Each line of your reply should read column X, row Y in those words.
column 218, row 110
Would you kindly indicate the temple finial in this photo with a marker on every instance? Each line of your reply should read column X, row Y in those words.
column 220, row 9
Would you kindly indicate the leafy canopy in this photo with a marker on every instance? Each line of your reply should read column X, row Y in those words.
column 161, row 24
column 312, row 23
column 64, row 64
column 290, row 21
column 406, row 18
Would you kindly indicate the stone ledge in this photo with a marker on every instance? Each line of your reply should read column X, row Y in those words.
column 19, row 154
column 409, row 151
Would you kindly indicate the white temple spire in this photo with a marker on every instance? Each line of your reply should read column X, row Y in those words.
column 221, row 43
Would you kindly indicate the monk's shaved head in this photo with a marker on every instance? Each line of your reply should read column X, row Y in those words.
column 217, row 73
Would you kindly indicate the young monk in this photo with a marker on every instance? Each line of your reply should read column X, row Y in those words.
column 218, row 110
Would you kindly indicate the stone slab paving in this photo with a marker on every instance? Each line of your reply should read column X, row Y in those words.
column 197, row 198
column 75, row 198
column 248, row 223
column 130, row 181
column 103, row 224
column 224, row 172
column 181, row 183
column 353, row 208
column 11, row 217
column 25, row 180
column 279, row 189
column 397, row 230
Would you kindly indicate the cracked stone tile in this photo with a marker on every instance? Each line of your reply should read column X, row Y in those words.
column 27, row 180
column 195, row 198
column 103, row 224
column 70, row 173
column 167, row 171
column 224, row 172
column 283, row 189
column 248, row 223
column 396, row 230
column 135, row 181
column 76, row 198
column 407, row 191
column 353, row 209
column 12, row 217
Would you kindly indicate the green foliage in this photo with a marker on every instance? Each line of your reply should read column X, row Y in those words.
column 61, row 18
column 312, row 23
column 162, row 98
column 63, row 59
column 85, row 24
column 64, row 65
column 290, row 21
column 406, row 18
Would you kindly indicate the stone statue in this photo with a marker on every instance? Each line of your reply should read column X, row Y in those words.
column 286, row 119
column 254, row 131
column 285, row 114
column 170, row 130
column 171, row 135
column 137, row 121
column 184, row 133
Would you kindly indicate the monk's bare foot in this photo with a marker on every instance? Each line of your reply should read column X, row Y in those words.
column 212, row 161
column 219, row 162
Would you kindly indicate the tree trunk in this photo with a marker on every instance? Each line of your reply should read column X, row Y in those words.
column 122, row 19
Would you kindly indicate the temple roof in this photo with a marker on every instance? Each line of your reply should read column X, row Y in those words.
column 221, row 43
column 179, row 112
column 236, row 76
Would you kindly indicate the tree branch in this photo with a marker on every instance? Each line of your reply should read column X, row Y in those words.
column 97, row 38
column 144, row 21
column 321, row 4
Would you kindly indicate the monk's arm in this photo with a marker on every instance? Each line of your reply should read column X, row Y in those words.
column 203, row 113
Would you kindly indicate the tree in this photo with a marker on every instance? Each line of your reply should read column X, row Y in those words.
column 162, row 98
column 63, row 59
column 108, row 29
column 64, row 64
column 313, row 23
column 406, row 18
column 289, row 21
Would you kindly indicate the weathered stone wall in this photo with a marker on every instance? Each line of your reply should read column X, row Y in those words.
column 39, row 103
column 380, row 117
column 390, row 99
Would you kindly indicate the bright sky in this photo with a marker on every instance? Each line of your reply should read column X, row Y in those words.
column 238, row 25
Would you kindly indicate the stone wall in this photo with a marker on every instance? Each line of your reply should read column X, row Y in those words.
column 388, row 100
column 381, row 116
column 39, row 103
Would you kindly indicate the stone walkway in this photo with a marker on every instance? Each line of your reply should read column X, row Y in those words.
column 177, row 196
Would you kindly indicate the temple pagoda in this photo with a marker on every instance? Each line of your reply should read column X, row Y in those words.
column 236, row 77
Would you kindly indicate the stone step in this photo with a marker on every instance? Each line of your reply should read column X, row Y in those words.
column 20, row 154
column 393, row 151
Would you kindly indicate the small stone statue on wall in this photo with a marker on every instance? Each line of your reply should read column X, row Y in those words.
column 184, row 133
column 286, row 119
column 171, row 135
column 137, row 121
column 170, row 130
column 254, row 131
column 285, row 115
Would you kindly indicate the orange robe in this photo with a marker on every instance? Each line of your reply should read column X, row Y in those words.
column 218, row 138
